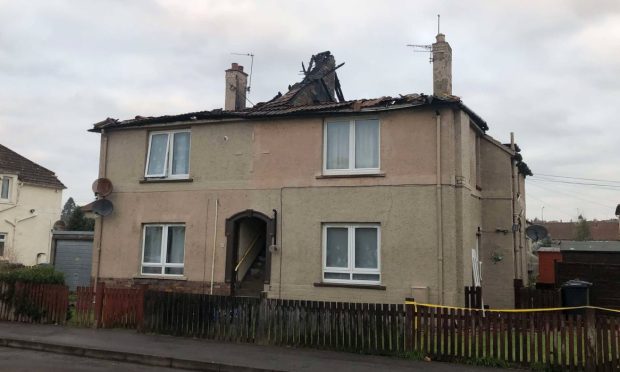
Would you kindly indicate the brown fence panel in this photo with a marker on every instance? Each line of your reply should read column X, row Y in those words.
column 34, row 303
column 85, row 306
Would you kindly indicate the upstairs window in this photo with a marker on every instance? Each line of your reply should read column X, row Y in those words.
column 168, row 154
column 163, row 249
column 5, row 188
column 351, row 146
column 351, row 253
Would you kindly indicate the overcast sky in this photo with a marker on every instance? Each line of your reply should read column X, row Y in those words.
column 547, row 70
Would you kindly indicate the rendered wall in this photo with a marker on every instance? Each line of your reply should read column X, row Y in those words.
column 29, row 233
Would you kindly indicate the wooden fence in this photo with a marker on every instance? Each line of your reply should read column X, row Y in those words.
column 378, row 328
column 535, row 298
column 106, row 307
column 473, row 297
column 558, row 339
column 34, row 303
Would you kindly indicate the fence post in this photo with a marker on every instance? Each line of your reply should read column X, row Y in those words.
column 518, row 284
column 99, row 303
column 590, row 341
column 142, row 288
column 409, row 324
column 261, row 321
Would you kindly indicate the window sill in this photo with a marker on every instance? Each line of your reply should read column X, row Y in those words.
column 166, row 180
column 344, row 285
column 161, row 277
column 349, row 175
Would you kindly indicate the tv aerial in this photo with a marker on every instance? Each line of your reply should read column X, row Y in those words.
column 426, row 48
column 251, row 55
column 536, row 232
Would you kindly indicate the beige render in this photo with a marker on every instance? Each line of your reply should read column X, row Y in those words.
column 27, row 219
column 428, row 228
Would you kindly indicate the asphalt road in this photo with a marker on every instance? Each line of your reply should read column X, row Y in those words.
column 19, row 360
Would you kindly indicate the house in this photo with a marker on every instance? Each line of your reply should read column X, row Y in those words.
column 30, row 202
column 311, row 196
column 606, row 230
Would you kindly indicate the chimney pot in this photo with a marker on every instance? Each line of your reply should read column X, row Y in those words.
column 236, row 88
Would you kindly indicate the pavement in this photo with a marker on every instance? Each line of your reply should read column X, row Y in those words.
column 122, row 346
column 20, row 360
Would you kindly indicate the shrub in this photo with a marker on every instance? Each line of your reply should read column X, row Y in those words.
column 34, row 274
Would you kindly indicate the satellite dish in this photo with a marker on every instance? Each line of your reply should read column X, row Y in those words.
column 536, row 232
column 102, row 187
column 102, row 207
column 59, row 225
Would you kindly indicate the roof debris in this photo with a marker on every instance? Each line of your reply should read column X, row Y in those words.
column 319, row 93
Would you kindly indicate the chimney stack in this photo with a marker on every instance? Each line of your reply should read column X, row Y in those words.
column 236, row 88
column 442, row 67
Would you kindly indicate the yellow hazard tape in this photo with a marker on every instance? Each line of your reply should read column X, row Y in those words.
column 416, row 304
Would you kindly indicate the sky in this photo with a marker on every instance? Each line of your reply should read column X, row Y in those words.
column 549, row 71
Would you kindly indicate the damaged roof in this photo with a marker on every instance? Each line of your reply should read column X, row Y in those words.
column 318, row 94
column 27, row 171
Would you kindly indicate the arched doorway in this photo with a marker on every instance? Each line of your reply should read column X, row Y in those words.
column 248, row 259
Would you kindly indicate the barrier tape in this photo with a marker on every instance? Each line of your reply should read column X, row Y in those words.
column 416, row 304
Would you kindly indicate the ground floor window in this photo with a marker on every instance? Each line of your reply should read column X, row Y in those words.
column 163, row 249
column 2, row 243
column 351, row 253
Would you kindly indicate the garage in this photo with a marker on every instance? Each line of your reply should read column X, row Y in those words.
column 72, row 254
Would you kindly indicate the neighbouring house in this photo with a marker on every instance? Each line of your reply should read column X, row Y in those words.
column 606, row 230
column 311, row 196
column 30, row 203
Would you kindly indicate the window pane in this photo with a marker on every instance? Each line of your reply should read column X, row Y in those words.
column 367, row 144
column 366, row 248
column 180, row 153
column 373, row 277
column 337, row 145
column 176, row 242
column 337, row 250
column 152, row 244
column 5, row 188
column 174, row 270
column 157, row 155
column 340, row 276
column 151, row 270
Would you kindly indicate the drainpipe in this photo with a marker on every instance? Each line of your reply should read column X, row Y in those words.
column 217, row 202
column 515, row 247
column 103, row 166
column 438, row 194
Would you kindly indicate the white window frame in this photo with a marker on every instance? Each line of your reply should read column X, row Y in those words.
column 164, row 241
column 350, row 269
column 169, row 151
column 3, row 237
column 351, row 169
column 11, row 185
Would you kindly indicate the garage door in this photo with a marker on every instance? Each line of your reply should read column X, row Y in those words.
column 74, row 259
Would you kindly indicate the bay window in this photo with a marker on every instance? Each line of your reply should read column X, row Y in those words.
column 163, row 249
column 351, row 146
column 168, row 154
column 351, row 253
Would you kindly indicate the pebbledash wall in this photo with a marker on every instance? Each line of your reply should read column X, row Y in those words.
column 428, row 229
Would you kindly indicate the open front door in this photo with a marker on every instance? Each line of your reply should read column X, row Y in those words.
column 249, row 235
